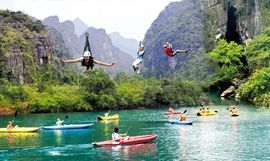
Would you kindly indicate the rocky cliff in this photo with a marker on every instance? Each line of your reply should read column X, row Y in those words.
column 197, row 25
column 67, row 30
column 233, row 20
column 180, row 24
column 24, row 46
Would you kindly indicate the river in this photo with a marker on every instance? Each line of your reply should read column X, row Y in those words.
column 212, row 138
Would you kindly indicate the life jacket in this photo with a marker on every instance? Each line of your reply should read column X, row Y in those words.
column 183, row 117
column 168, row 51
column 89, row 64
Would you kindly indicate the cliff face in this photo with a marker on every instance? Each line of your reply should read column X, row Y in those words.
column 234, row 20
column 180, row 24
column 24, row 46
column 67, row 30
column 197, row 25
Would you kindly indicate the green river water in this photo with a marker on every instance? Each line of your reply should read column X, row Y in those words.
column 212, row 138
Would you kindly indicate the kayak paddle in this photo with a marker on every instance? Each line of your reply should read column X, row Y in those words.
column 15, row 115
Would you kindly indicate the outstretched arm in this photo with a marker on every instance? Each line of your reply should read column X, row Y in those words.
column 70, row 61
column 102, row 63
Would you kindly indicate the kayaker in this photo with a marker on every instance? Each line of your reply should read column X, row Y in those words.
column 107, row 114
column 207, row 110
column 10, row 125
column 170, row 110
column 116, row 135
column 234, row 110
column 183, row 117
column 203, row 110
column 59, row 122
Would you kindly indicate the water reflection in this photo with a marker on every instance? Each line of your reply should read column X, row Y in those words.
column 131, row 152
column 112, row 122
column 58, row 136
column 18, row 140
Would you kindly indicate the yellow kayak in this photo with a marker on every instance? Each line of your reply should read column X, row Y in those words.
column 234, row 114
column 113, row 117
column 19, row 130
column 210, row 113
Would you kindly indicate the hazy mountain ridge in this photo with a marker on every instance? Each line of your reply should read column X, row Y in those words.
column 125, row 44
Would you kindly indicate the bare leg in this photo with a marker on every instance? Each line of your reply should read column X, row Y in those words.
column 179, row 52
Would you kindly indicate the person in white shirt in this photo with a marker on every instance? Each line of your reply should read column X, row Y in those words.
column 59, row 122
column 117, row 136
column 139, row 58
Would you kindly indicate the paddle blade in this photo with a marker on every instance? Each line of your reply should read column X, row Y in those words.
column 66, row 116
column 216, row 111
column 15, row 114
column 185, row 111
column 99, row 118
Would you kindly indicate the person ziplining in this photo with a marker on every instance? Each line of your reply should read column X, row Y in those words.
column 139, row 58
column 170, row 52
column 87, row 60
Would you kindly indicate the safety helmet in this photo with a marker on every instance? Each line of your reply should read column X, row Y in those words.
column 166, row 45
column 86, row 53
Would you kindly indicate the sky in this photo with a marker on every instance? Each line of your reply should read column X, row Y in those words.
column 131, row 18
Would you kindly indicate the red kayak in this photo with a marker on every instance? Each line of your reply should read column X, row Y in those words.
column 129, row 141
column 172, row 113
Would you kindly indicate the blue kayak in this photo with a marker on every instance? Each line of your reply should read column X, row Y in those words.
column 180, row 122
column 67, row 127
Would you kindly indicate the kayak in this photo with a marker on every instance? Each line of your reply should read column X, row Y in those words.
column 131, row 140
column 234, row 114
column 19, row 130
column 67, row 127
column 210, row 113
column 172, row 113
column 113, row 117
column 180, row 122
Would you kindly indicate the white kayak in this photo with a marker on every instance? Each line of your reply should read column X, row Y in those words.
column 67, row 127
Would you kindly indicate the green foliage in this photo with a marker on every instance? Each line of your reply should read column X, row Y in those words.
column 98, row 81
column 226, row 58
column 258, row 51
column 130, row 91
column 256, row 85
column 59, row 98
column 19, row 17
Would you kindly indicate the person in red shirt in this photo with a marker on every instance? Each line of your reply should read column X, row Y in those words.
column 170, row 52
